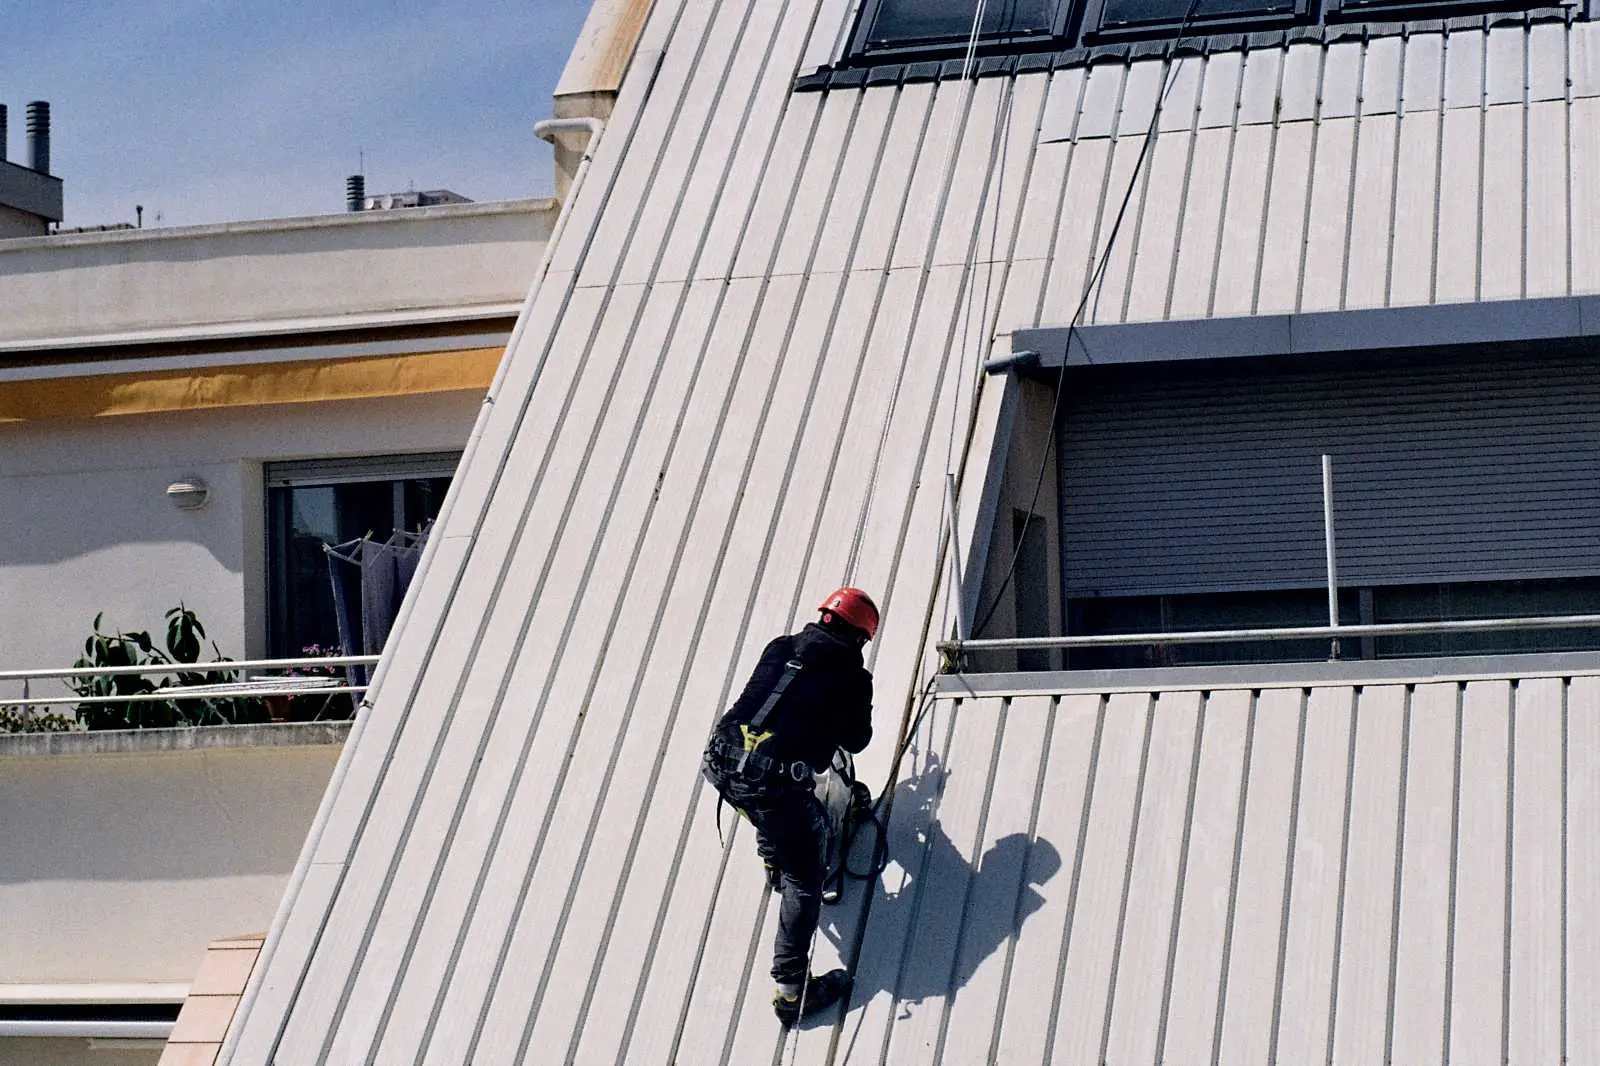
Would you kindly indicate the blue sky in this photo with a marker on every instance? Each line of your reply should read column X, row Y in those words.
column 214, row 111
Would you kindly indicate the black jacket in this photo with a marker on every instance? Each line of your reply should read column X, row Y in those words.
column 828, row 705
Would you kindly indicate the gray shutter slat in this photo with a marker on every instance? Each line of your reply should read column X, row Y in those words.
column 1475, row 466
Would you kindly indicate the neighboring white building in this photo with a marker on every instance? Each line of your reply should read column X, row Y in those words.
column 319, row 377
column 356, row 345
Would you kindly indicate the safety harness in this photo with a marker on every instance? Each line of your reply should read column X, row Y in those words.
column 753, row 737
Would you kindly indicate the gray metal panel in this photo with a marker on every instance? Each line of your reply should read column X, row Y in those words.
column 1380, row 77
column 1258, row 89
column 1424, row 69
column 1463, row 69
column 1444, row 472
column 1219, row 99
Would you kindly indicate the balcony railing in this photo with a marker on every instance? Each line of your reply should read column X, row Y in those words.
column 262, row 685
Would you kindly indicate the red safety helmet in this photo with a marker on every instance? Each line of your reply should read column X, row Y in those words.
column 849, row 604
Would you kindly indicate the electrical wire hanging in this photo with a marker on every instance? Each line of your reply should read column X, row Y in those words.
column 1083, row 303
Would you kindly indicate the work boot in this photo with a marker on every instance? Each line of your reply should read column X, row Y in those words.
column 821, row 992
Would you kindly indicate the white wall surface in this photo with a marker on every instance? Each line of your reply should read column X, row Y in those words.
column 85, row 524
column 123, row 867
column 451, row 256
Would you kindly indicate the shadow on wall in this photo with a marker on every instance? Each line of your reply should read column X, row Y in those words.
column 950, row 914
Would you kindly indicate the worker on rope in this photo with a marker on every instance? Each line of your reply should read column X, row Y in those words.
column 808, row 696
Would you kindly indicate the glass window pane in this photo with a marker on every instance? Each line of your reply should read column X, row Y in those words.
column 1173, row 12
column 902, row 22
column 309, row 516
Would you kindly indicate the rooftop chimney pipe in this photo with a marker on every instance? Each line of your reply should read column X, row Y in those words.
column 4, row 133
column 39, row 136
column 355, row 192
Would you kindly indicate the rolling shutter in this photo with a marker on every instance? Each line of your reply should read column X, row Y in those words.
column 1206, row 477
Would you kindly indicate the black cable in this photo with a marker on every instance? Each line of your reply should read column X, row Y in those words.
column 1077, row 316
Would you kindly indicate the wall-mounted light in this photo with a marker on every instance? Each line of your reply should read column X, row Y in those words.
column 189, row 494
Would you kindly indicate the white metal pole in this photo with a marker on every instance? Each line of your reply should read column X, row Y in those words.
column 955, row 558
column 1327, row 533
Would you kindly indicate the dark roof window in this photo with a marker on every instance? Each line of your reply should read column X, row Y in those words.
column 1119, row 15
column 889, row 31
column 944, row 27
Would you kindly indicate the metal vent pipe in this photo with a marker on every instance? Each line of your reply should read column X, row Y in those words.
column 39, row 136
column 5, row 133
column 355, row 191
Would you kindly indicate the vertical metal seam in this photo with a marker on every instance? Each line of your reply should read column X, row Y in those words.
column 1455, row 878
column 648, row 651
column 935, row 801
column 1483, row 159
column 1527, row 187
column 1047, row 746
column 1311, row 180
column 1399, row 873
column 711, row 586
column 1566, row 144
column 1510, row 870
column 1127, row 876
column 1183, row 873
column 1093, row 252
column 744, row 621
column 1438, row 171
column 1355, row 165
column 1183, row 195
column 1266, row 188
column 1233, row 881
column 1344, row 874
column 1077, row 878
column 1153, row 135
column 871, row 325
column 1228, row 188
column 1394, row 177
column 992, row 775
column 1061, row 198
column 690, row 517
column 1288, row 875
column 1566, row 800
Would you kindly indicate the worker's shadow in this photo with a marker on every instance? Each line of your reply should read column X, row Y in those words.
column 936, row 917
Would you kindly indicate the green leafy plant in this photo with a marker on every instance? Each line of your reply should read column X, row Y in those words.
column 184, row 640
column 20, row 718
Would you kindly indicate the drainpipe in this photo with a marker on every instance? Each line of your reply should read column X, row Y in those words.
column 572, row 155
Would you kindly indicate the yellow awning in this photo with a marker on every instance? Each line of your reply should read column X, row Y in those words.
column 253, row 385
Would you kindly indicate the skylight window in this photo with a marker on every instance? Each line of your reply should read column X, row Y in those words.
column 897, row 27
column 890, row 31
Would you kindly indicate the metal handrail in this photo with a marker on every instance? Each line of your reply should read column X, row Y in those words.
column 1380, row 629
column 177, row 693
column 224, row 666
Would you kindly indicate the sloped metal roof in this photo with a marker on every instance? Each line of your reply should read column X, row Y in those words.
column 741, row 378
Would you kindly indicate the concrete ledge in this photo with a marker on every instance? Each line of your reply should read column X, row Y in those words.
column 199, row 738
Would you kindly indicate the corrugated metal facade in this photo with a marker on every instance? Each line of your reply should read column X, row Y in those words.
column 1469, row 468
column 741, row 380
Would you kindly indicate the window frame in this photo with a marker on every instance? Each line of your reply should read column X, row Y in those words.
column 1095, row 31
column 397, row 469
column 860, row 52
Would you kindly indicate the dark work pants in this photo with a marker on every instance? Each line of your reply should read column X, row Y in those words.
column 792, row 834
